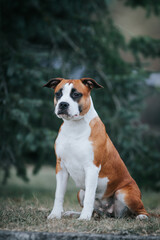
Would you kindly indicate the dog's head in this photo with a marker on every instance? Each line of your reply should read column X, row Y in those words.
column 72, row 97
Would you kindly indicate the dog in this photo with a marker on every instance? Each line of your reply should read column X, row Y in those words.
column 85, row 152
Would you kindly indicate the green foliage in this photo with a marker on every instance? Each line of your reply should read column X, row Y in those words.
column 44, row 39
column 148, row 5
column 146, row 46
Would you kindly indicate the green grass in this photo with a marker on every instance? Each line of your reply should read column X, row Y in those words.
column 25, row 207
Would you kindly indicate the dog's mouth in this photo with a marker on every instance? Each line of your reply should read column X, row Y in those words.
column 63, row 112
column 65, row 115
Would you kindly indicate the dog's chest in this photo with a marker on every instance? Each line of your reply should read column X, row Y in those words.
column 75, row 150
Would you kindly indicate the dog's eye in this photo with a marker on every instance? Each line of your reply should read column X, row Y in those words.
column 76, row 94
column 58, row 94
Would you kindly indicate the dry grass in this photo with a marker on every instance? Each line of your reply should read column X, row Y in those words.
column 26, row 207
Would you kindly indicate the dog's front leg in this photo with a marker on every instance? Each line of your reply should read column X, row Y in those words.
column 91, row 180
column 61, row 179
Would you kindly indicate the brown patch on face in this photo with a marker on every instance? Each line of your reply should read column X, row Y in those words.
column 62, row 83
column 58, row 87
column 55, row 101
column 84, row 102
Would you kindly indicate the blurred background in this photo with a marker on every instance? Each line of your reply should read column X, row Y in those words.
column 115, row 42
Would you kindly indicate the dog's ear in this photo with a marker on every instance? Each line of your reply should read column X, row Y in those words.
column 90, row 83
column 53, row 82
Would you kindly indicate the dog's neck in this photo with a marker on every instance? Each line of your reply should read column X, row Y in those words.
column 91, row 113
column 81, row 123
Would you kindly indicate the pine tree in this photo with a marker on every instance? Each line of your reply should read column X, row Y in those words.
column 45, row 39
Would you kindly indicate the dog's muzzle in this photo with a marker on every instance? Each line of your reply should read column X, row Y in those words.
column 63, row 108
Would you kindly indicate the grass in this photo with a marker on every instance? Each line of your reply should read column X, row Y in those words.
column 25, row 207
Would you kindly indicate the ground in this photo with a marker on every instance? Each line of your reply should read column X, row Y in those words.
column 25, row 207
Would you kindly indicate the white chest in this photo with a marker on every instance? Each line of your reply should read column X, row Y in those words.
column 75, row 150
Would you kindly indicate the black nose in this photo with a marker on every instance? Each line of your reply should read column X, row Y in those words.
column 63, row 105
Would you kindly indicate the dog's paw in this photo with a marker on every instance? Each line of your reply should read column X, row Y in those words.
column 141, row 217
column 85, row 216
column 54, row 215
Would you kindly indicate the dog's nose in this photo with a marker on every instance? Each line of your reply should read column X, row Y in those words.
column 63, row 105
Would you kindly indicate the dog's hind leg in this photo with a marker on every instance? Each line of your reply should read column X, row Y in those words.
column 129, row 198
column 80, row 197
column 120, row 208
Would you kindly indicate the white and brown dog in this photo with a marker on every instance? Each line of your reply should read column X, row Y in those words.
column 85, row 152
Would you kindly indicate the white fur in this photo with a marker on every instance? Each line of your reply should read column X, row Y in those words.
column 74, row 148
column 61, row 180
column 91, row 180
column 141, row 217
column 73, row 110
column 119, row 204
column 76, row 153
column 101, row 187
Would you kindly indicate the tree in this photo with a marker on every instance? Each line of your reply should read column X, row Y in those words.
column 44, row 39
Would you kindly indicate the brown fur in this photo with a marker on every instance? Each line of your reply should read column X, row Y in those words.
column 105, row 154
column 80, row 87
column 58, row 160
column 112, row 167
column 58, row 165
column 78, row 197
